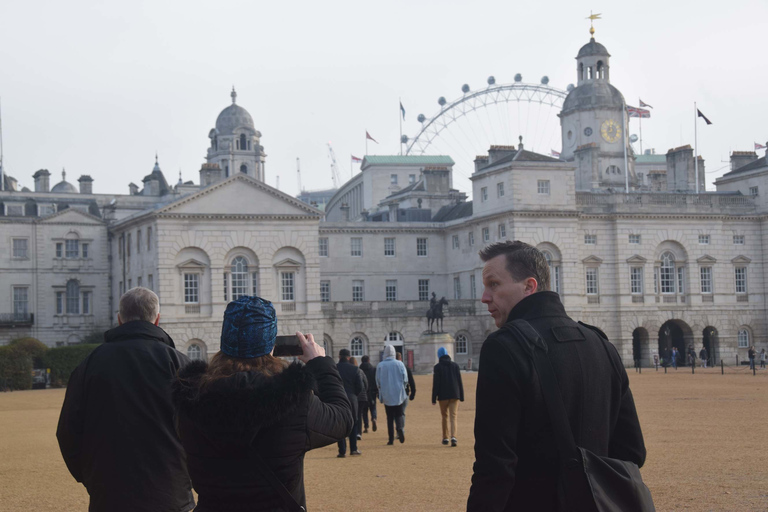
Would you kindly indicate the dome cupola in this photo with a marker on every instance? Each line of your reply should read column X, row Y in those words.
column 64, row 187
column 234, row 117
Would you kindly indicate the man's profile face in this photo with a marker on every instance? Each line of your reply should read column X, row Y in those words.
column 501, row 292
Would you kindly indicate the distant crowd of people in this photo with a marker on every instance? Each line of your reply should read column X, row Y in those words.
column 141, row 425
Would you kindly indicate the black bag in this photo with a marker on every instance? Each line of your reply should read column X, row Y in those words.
column 588, row 482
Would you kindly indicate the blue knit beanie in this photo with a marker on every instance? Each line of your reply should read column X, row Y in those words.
column 441, row 352
column 249, row 328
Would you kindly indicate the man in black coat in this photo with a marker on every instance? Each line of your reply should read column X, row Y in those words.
column 516, row 459
column 116, row 430
column 370, row 374
column 448, row 389
column 353, row 385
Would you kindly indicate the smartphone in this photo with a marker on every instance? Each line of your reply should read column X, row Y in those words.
column 287, row 346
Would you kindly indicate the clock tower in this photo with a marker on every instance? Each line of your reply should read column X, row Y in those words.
column 594, row 125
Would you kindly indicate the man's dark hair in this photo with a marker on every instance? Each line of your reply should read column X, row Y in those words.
column 344, row 353
column 523, row 261
column 366, row 359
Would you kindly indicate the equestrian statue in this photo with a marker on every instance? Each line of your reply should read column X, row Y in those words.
column 435, row 312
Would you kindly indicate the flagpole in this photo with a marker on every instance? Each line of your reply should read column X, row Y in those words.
column 696, row 144
column 626, row 166
column 366, row 143
column 2, row 170
column 641, row 129
column 400, row 117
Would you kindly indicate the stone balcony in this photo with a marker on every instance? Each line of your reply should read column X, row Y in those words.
column 664, row 202
column 399, row 308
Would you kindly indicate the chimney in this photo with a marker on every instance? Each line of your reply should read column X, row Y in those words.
column 393, row 207
column 741, row 158
column 86, row 184
column 209, row 174
column 496, row 153
column 344, row 212
column 151, row 186
column 133, row 189
column 42, row 180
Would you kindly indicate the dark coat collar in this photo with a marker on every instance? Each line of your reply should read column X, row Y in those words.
column 538, row 305
column 138, row 329
column 445, row 359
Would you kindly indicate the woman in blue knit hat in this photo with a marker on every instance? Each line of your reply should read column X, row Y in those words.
column 448, row 390
column 246, row 419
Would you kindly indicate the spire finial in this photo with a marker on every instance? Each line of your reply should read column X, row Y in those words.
column 63, row 174
column 155, row 156
column 592, row 18
column 520, row 146
column 233, row 94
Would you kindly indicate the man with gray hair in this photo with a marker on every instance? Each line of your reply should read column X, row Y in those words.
column 116, row 430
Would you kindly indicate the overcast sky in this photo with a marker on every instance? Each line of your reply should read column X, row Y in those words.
column 98, row 87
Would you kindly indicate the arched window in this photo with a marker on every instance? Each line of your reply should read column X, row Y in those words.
column 394, row 338
column 356, row 346
column 461, row 344
column 242, row 142
column 215, row 143
column 581, row 71
column 600, row 70
column 244, row 169
column 554, row 272
column 667, row 273
column 239, row 277
column 743, row 338
column 194, row 352
column 73, row 297
column 589, row 73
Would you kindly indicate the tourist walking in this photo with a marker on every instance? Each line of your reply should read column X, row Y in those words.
column 391, row 379
column 370, row 374
column 410, row 389
column 516, row 458
column 116, row 430
column 352, row 379
column 762, row 359
column 448, row 390
column 703, row 356
column 691, row 356
column 674, row 357
column 362, row 401
column 751, row 354
column 246, row 419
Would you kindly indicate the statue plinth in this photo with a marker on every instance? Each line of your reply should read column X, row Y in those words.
column 425, row 353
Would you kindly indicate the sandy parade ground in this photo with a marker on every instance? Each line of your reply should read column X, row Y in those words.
column 706, row 436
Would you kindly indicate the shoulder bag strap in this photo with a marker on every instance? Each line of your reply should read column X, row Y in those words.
column 290, row 502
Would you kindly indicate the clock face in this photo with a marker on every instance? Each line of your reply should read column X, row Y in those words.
column 611, row 131
column 587, row 131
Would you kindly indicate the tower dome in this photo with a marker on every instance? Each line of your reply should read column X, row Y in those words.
column 64, row 187
column 592, row 48
column 233, row 117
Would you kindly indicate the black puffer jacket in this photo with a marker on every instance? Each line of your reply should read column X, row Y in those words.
column 370, row 373
column 280, row 417
column 446, row 381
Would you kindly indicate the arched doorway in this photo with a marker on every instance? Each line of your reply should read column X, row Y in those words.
column 639, row 345
column 674, row 333
column 711, row 343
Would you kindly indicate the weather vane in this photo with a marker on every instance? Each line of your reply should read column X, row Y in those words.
column 592, row 18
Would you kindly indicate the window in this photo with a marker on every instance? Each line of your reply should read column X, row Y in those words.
column 461, row 344
column 254, row 283
column 286, row 286
column 45, row 209
column 704, row 239
column 655, row 281
column 191, row 289
column 743, row 338
column 59, row 250
column 486, row 235
column 356, row 246
column 194, row 353
column 325, row 291
column 122, row 289
column 20, row 248
column 738, row 239
column 667, row 273
column 16, row 210
column 87, row 303
column 500, row 189
column 706, row 279
column 60, row 301
column 130, row 283
column 243, row 145
column 484, row 194
column 85, row 250
column 590, row 239
column 128, row 245
column 356, row 347
column 680, row 280
column 73, row 249
column 634, row 239
column 149, row 238
column 73, row 297
column 423, row 289
column 226, row 287
column 239, row 276
column 543, row 187
column 151, row 282
column 393, row 179
column 389, row 247
column 20, row 301
column 554, row 272
column 502, row 231
column 391, row 290
column 421, row 247
column 455, row 241
column 472, row 287
column 357, row 291
column 138, row 241
column 324, row 247
column 636, row 280
column 411, row 179
column 138, row 281
column 753, row 191
column 456, row 288
column 471, row 238
column 592, row 284
column 741, row 279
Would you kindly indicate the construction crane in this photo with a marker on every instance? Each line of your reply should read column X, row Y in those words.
column 298, row 173
column 334, row 167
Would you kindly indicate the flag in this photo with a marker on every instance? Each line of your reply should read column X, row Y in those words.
column 355, row 159
column 555, row 154
column 638, row 112
column 703, row 116
column 368, row 136
column 402, row 109
column 644, row 104
column 759, row 146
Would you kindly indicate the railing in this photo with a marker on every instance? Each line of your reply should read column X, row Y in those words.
column 408, row 308
column 742, row 298
column 192, row 309
column 707, row 298
column 638, row 298
column 287, row 307
column 16, row 319
column 593, row 299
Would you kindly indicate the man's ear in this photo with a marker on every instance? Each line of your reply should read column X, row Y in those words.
column 157, row 320
column 531, row 286
column 119, row 320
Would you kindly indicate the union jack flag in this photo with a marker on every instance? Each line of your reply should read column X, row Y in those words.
column 355, row 159
column 555, row 154
column 638, row 112
column 759, row 146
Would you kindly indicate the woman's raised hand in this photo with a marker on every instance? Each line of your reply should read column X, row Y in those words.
column 309, row 348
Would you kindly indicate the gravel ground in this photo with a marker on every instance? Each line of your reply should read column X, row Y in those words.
column 705, row 435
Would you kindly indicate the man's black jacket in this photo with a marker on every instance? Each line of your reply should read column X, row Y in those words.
column 370, row 374
column 353, row 382
column 116, row 430
column 516, row 460
column 446, row 380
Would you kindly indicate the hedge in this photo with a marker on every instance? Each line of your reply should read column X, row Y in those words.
column 33, row 347
column 15, row 368
column 63, row 360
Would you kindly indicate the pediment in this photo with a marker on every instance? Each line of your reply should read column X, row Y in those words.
column 240, row 195
column 71, row 215
column 288, row 262
column 191, row 264
column 741, row 259
column 637, row 259
column 594, row 260
column 706, row 260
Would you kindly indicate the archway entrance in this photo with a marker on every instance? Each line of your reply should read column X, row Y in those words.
column 639, row 345
column 677, row 334
column 711, row 344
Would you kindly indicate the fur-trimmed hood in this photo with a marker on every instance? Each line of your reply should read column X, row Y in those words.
column 243, row 402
